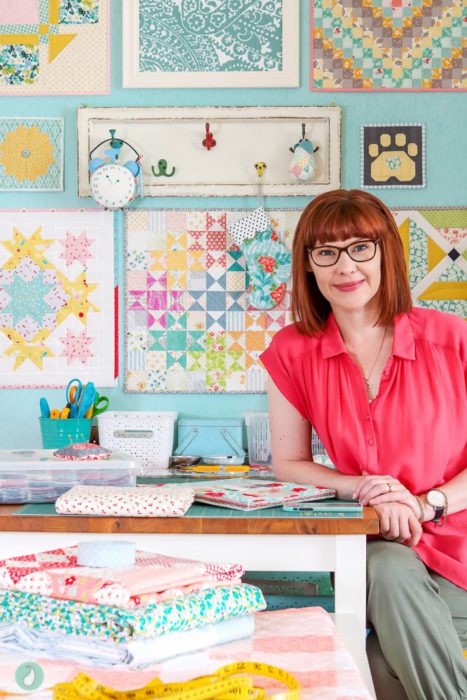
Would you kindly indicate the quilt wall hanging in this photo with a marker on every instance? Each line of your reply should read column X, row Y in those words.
column 54, row 47
column 393, row 155
column 57, row 297
column 388, row 45
column 225, row 43
column 189, row 327
column 435, row 243
column 31, row 154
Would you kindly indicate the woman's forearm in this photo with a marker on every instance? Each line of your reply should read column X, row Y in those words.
column 456, row 493
column 304, row 472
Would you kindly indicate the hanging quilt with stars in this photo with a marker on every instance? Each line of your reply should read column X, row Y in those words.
column 57, row 298
column 388, row 45
column 188, row 325
column 189, row 328
column 54, row 47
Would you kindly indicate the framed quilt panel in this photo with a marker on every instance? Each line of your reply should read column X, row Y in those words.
column 54, row 47
column 393, row 155
column 31, row 154
column 435, row 244
column 367, row 45
column 188, row 326
column 57, row 297
column 245, row 43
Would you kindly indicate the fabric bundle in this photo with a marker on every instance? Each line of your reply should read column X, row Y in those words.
column 160, row 607
column 159, row 500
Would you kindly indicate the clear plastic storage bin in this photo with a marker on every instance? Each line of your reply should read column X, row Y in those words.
column 259, row 438
column 36, row 476
column 148, row 436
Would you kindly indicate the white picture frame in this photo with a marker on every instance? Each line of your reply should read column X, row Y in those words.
column 134, row 77
column 244, row 136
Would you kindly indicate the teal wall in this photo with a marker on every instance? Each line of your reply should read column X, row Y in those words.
column 445, row 116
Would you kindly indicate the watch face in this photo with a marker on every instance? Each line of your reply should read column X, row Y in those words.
column 113, row 186
column 435, row 499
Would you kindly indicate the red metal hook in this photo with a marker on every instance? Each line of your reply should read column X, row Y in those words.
column 209, row 142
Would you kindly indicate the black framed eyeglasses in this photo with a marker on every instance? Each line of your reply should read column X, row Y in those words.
column 327, row 255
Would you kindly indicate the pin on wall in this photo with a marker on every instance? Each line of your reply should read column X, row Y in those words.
column 260, row 167
column 302, row 164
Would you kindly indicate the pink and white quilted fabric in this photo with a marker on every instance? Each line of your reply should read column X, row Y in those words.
column 302, row 641
column 160, row 500
column 153, row 578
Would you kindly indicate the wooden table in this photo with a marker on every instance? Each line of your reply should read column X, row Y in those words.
column 267, row 540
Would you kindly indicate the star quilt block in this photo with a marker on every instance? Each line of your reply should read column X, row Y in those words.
column 54, row 47
column 57, row 295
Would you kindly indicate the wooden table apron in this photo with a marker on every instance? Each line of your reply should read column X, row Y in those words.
column 258, row 542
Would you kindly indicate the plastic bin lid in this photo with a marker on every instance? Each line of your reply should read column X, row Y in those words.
column 136, row 415
column 211, row 422
column 31, row 460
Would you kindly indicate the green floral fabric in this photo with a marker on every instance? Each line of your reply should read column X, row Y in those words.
column 105, row 622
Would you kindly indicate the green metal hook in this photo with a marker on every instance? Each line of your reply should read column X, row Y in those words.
column 162, row 165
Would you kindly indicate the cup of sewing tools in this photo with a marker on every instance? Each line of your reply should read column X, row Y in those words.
column 72, row 423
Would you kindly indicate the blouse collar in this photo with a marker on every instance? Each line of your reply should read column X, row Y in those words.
column 403, row 342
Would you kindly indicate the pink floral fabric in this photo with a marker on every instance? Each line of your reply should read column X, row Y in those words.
column 153, row 578
column 160, row 500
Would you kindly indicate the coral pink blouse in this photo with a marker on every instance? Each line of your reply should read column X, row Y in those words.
column 415, row 429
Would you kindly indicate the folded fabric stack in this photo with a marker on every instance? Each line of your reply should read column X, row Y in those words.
column 160, row 607
column 160, row 500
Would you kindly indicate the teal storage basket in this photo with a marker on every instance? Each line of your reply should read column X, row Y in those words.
column 208, row 437
column 60, row 432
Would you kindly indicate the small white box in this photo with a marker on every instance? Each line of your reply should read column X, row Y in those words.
column 146, row 435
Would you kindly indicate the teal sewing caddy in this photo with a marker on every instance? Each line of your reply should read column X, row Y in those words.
column 210, row 437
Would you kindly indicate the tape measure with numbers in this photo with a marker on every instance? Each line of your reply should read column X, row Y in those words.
column 232, row 681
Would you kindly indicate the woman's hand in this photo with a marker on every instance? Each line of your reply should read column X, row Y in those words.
column 398, row 523
column 375, row 489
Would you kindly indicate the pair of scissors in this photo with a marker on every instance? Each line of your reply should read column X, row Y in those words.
column 86, row 400
column 73, row 394
column 100, row 405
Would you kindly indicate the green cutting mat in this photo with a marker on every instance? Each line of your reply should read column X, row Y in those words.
column 198, row 510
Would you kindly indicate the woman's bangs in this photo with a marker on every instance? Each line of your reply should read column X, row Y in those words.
column 343, row 221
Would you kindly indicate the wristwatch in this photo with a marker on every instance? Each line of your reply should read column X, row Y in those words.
column 437, row 499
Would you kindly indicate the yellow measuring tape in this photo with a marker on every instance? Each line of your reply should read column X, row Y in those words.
column 231, row 682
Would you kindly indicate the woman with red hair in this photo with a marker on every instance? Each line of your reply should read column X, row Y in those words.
column 384, row 386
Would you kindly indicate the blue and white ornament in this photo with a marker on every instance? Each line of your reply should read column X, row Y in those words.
column 302, row 165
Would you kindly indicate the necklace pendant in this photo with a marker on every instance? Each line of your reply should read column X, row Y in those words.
column 368, row 386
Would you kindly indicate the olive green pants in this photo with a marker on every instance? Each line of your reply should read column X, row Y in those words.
column 419, row 624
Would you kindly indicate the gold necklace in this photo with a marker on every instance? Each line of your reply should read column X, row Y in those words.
column 368, row 384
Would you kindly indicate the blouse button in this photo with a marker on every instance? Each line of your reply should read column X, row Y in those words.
column 367, row 417
column 387, row 373
column 371, row 442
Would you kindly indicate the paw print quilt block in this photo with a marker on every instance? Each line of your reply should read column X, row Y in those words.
column 393, row 155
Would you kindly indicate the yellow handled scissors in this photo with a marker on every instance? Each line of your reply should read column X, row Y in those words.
column 100, row 405
column 73, row 396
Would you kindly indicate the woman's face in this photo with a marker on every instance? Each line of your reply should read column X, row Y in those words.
column 348, row 285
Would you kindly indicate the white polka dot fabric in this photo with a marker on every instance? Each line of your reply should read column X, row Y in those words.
column 249, row 226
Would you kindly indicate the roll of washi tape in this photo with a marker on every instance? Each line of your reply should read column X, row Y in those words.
column 106, row 553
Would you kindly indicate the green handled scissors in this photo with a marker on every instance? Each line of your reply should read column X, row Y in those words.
column 100, row 405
